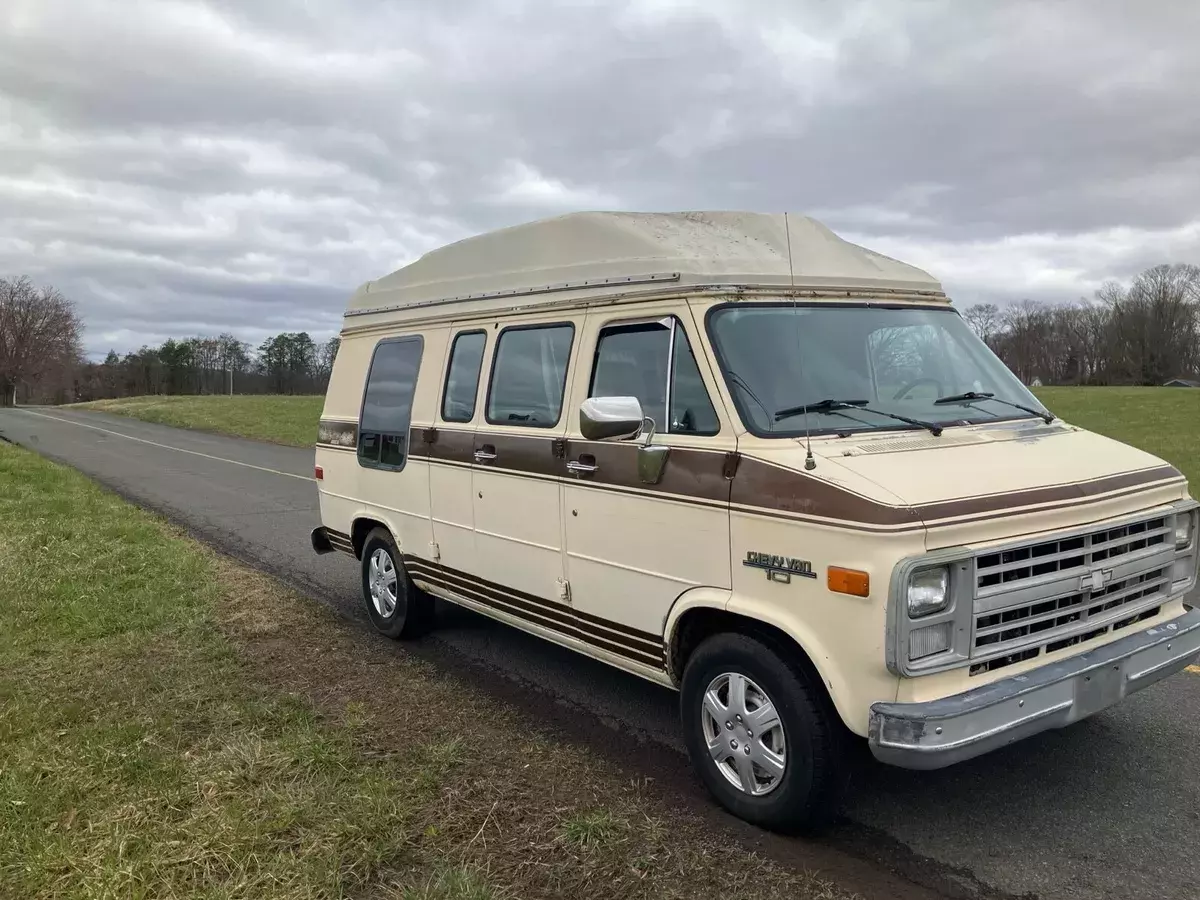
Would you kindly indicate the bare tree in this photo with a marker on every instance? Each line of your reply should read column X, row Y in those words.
column 1154, row 326
column 39, row 337
column 326, row 354
column 984, row 319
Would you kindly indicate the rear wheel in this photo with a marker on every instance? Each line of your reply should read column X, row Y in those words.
column 764, row 739
column 396, row 606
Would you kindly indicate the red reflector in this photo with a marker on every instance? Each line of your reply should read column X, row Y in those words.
column 319, row 472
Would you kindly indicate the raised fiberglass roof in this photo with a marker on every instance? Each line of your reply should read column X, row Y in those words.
column 723, row 248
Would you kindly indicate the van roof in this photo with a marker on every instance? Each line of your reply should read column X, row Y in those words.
column 599, row 253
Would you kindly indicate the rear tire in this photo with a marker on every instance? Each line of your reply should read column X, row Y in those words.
column 764, row 739
column 397, row 607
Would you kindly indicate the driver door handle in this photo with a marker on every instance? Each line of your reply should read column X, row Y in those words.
column 486, row 453
column 585, row 465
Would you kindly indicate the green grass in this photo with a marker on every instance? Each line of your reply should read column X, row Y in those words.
column 595, row 828
column 136, row 758
column 281, row 419
column 455, row 883
column 1162, row 421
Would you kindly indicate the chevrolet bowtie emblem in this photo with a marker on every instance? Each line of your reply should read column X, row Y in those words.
column 1095, row 580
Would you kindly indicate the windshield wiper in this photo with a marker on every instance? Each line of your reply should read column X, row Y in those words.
column 832, row 406
column 969, row 397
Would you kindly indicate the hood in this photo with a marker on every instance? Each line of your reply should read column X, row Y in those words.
column 973, row 482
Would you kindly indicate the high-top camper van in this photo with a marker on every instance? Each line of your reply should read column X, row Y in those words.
column 738, row 456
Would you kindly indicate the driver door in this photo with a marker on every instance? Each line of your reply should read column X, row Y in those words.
column 632, row 547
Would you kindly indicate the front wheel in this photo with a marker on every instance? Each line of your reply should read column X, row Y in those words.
column 396, row 606
column 762, row 737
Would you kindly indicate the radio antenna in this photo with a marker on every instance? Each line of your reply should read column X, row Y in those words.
column 809, row 462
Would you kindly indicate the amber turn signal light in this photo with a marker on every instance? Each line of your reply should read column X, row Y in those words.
column 849, row 581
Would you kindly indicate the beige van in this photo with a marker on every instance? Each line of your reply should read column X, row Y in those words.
column 743, row 458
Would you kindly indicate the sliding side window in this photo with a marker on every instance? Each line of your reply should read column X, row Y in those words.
column 387, row 403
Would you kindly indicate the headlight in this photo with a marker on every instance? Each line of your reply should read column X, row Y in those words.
column 928, row 592
column 1183, row 530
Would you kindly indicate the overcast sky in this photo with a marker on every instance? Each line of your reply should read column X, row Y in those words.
column 193, row 166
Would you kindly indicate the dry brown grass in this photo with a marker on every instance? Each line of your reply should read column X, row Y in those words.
column 523, row 814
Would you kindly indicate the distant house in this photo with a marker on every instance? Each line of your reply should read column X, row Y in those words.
column 1181, row 382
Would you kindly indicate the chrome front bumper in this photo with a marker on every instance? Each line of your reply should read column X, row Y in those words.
column 943, row 732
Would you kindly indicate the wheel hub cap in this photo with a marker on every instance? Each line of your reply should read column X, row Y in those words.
column 381, row 582
column 744, row 734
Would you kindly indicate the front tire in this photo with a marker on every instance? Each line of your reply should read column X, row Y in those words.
column 763, row 738
column 396, row 606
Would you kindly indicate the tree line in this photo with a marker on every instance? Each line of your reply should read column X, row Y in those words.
column 1146, row 332
column 42, row 359
column 288, row 363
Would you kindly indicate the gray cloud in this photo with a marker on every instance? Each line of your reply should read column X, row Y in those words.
column 185, row 166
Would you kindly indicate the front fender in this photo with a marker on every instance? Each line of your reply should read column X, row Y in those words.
column 692, row 598
column 852, row 686
column 850, row 692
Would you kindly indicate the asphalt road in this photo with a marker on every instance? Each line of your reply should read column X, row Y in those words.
column 1109, row 808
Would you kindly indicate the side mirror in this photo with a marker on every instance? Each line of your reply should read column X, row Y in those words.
column 608, row 418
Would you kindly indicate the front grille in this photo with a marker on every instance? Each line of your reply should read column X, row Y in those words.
column 1076, row 552
column 1046, row 596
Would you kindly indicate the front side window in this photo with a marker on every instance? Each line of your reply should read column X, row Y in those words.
column 909, row 361
column 387, row 403
column 529, row 375
column 653, row 361
column 462, row 376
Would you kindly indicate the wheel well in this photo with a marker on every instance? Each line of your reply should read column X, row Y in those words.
column 697, row 624
column 359, row 531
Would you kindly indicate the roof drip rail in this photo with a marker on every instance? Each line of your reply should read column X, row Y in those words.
column 653, row 278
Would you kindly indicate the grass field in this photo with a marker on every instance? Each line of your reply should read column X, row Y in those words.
column 281, row 419
column 172, row 725
column 1163, row 421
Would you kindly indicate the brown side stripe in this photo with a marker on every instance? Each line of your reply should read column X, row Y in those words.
column 775, row 489
column 638, row 646
column 449, row 445
column 1083, row 490
column 697, row 476
column 632, row 636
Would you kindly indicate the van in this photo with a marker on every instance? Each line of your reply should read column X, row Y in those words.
column 743, row 458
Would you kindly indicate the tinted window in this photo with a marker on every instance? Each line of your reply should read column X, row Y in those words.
column 462, row 378
column 387, row 403
column 632, row 361
column 529, row 376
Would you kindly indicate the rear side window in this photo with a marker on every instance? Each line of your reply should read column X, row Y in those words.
column 462, row 376
column 653, row 361
column 529, row 375
column 387, row 403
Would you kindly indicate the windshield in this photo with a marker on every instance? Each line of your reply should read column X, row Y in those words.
column 899, row 361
